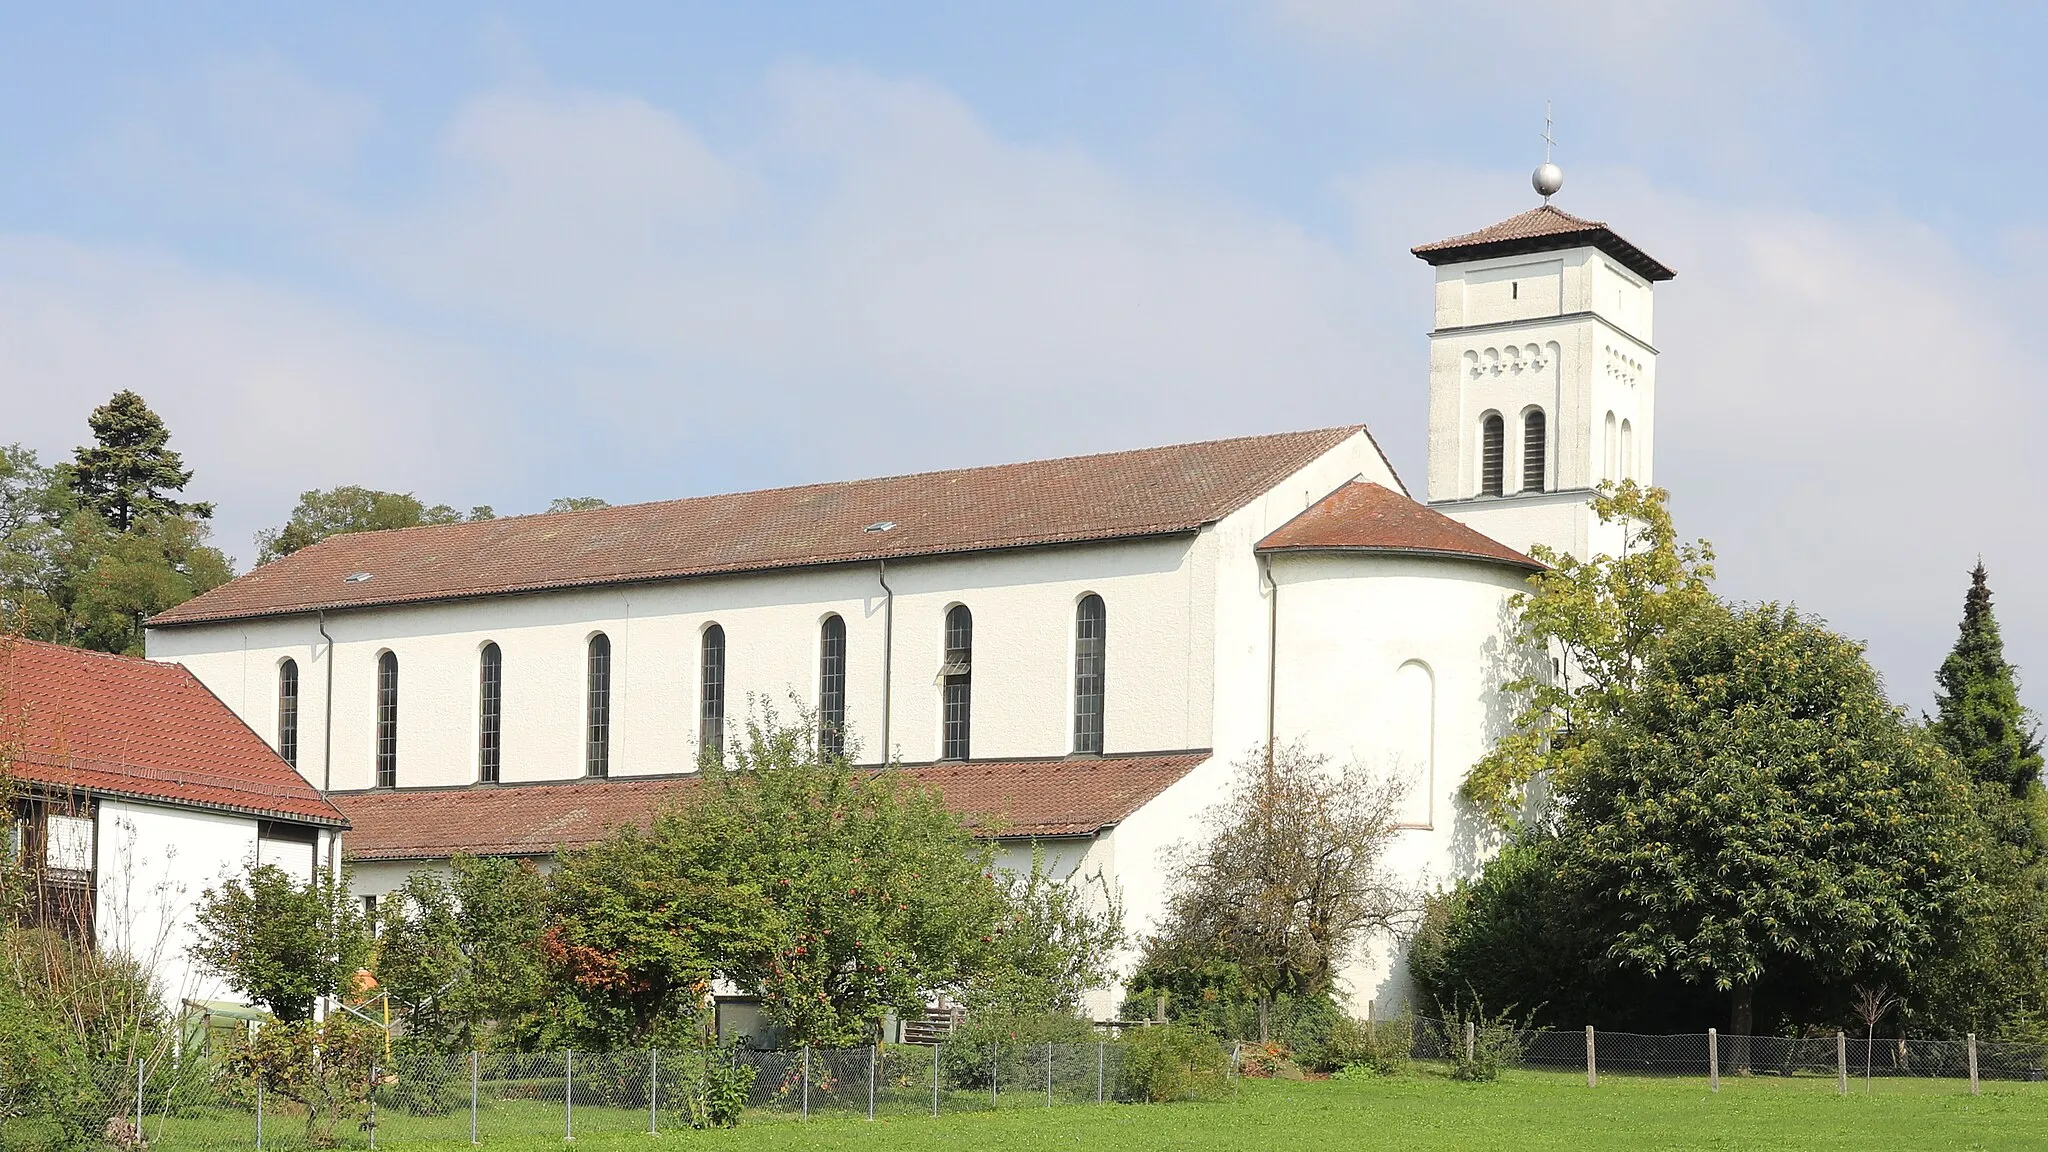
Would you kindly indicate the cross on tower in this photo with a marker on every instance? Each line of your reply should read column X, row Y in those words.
column 1548, row 143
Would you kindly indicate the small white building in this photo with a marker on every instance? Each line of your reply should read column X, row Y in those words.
column 1076, row 648
column 134, row 790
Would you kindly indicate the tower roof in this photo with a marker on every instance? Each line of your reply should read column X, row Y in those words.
column 1543, row 229
column 1365, row 517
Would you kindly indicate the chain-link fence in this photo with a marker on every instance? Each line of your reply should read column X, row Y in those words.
column 1838, row 1061
column 405, row 1100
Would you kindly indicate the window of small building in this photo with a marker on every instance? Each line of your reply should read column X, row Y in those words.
column 832, row 686
column 1091, row 622
column 288, row 712
column 957, row 684
column 597, row 728
column 711, row 697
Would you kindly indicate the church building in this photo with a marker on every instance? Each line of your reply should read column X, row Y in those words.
column 1073, row 651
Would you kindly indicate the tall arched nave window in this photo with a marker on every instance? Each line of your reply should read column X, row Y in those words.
column 490, row 712
column 288, row 712
column 387, row 720
column 597, row 710
column 957, row 684
column 711, row 697
column 1090, row 660
column 832, row 686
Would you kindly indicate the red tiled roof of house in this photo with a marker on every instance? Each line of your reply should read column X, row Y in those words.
column 1148, row 492
column 1078, row 796
column 1542, row 229
column 1364, row 517
column 122, row 726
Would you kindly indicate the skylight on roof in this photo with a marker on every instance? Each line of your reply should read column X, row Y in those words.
column 880, row 526
column 355, row 578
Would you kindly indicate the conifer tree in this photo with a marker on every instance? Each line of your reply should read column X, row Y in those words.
column 131, row 473
column 1979, row 717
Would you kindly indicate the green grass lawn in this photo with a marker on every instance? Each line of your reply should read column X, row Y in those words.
column 1417, row 1113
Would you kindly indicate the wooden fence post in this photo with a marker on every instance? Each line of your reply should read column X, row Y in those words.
column 1471, row 1041
column 1841, row 1063
column 1973, row 1063
column 1592, row 1066
column 1713, row 1060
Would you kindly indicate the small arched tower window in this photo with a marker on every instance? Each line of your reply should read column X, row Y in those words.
column 956, row 678
column 1090, row 650
column 387, row 720
column 1628, row 452
column 597, row 710
column 711, row 699
column 832, row 686
column 288, row 712
column 1609, row 449
column 490, row 712
column 1492, row 454
column 1534, row 444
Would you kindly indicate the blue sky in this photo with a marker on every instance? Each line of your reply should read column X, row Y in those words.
column 495, row 254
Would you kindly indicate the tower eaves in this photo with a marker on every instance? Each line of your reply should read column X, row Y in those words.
column 1543, row 229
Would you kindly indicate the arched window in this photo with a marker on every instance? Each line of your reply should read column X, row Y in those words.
column 1492, row 454
column 1628, row 452
column 956, row 678
column 490, row 712
column 1534, row 443
column 1608, row 447
column 1090, row 624
column 711, row 696
column 832, row 686
column 288, row 712
column 597, row 708
column 387, row 720
column 1414, row 745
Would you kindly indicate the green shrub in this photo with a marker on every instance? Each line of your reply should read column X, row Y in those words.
column 1385, row 1047
column 1495, row 1044
column 721, row 1092
column 975, row 1050
column 1170, row 1062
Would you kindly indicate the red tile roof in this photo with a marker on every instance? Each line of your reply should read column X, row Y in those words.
column 1364, row 517
column 120, row 726
column 1079, row 796
column 1543, row 229
column 1148, row 492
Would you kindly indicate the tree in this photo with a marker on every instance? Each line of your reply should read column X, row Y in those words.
column 577, row 503
column 1055, row 943
column 1979, row 717
column 350, row 508
column 461, row 954
column 131, row 474
column 1756, row 806
column 878, row 897
column 1289, row 880
column 1599, row 622
column 283, row 944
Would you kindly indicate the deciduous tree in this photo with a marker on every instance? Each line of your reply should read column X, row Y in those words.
column 282, row 943
column 350, row 508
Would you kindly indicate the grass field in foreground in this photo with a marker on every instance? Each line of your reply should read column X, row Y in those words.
column 1418, row 1113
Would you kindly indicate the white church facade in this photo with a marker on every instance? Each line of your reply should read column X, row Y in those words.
column 1073, row 651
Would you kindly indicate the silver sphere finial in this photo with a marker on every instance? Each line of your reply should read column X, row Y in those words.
column 1547, row 179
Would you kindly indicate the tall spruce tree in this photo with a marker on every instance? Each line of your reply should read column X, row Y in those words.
column 131, row 473
column 1979, row 716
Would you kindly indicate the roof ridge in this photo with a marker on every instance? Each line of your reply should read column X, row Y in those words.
column 10, row 641
column 595, row 513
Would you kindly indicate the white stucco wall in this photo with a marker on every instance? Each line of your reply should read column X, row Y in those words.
column 1023, row 604
column 155, row 864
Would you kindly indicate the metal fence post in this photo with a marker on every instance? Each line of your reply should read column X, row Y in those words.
column 569, row 1096
column 653, row 1090
column 1470, row 1041
column 474, row 1078
column 1592, row 1067
column 872, row 1049
column 1048, row 1073
column 1101, row 1058
column 1973, row 1063
column 935, row 1080
column 806, row 1113
column 375, row 1072
column 1713, row 1060
column 995, row 1060
column 138, row 1095
column 259, row 1112
column 1841, row 1063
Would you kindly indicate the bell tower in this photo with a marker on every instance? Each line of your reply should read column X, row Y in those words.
column 1542, row 374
